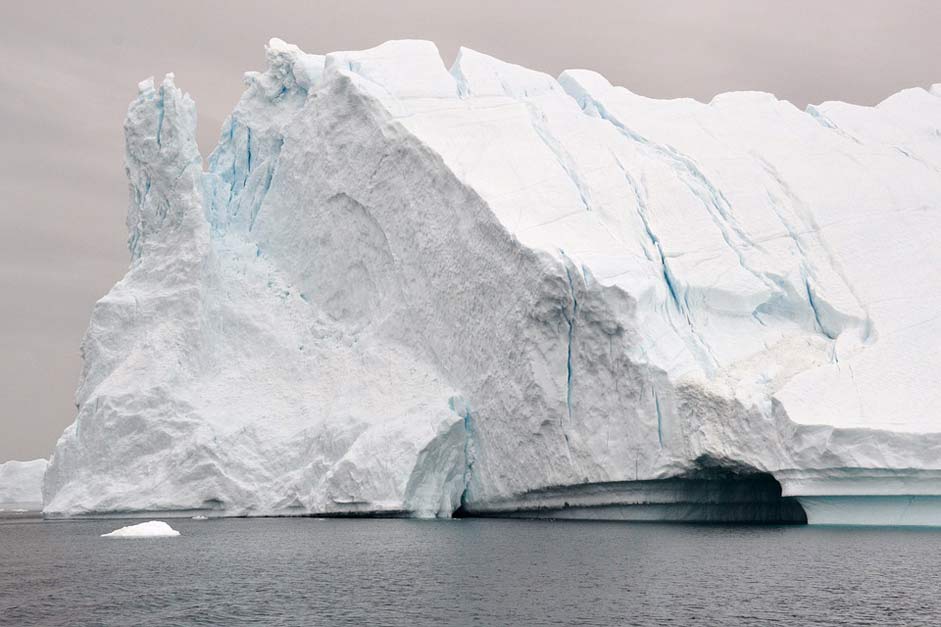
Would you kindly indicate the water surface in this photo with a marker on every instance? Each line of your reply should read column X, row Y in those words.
column 472, row 571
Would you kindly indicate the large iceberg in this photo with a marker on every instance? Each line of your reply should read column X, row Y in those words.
column 21, row 485
column 400, row 289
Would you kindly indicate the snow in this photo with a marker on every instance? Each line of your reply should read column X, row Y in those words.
column 151, row 529
column 401, row 289
column 21, row 485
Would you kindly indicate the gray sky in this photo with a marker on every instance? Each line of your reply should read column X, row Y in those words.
column 69, row 69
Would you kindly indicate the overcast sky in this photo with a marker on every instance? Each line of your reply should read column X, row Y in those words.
column 69, row 69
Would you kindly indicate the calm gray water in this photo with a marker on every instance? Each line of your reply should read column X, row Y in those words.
column 488, row 572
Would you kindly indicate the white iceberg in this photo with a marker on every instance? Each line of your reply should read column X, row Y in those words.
column 406, row 290
column 21, row 485
column 151, row 529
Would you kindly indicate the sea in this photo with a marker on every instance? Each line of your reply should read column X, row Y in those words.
column 311, row 571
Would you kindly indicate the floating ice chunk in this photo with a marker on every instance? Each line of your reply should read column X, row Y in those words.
column 151, row 529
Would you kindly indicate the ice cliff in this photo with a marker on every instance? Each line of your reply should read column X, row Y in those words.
column 406, row 290
column 21, row 484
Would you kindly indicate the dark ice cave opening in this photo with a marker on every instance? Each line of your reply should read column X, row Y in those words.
column 711, row 494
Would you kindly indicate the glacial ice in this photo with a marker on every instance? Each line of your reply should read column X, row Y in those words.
column 21, row 485
column 400, row 289
column 151, row 529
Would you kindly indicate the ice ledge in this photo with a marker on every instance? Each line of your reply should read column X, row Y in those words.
column 887, row 511
column 859, row 482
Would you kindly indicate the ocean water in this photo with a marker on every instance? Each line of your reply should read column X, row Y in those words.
column 465, row 572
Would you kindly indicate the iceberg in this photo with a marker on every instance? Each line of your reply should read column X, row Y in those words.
column 152, row 529
column 21, row 485
column 400, row 289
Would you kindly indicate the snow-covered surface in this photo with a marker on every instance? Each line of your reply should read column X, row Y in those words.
column 150, row 529
column 21, row 485
column 400, row 288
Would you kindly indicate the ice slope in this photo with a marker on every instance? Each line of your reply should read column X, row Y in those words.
column 403, row 289
column 21, row 484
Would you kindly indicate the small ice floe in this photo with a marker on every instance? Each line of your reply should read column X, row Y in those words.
column 200, row 517
column 152, row 529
